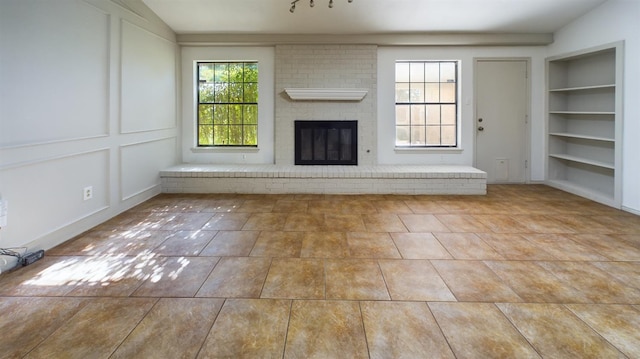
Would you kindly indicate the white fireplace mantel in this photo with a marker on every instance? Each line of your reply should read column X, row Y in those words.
column 326, row 94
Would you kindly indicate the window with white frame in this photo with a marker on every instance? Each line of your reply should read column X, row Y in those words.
column 426, row 104
column 227, row 104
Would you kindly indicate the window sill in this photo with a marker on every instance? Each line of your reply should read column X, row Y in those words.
column 428, row 150
column 225, row 149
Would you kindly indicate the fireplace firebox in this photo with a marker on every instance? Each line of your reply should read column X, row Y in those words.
column 326, row 143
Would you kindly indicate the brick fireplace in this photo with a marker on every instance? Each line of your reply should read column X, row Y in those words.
column 321, row 67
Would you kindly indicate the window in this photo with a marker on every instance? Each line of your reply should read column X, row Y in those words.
column 227, row 103
column 426, row 103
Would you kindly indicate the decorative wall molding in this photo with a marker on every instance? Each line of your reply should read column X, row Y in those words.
column 137, row 104
column 326, row 94
column 137, row 177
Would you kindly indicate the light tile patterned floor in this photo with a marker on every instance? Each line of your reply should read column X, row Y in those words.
column 526, row 271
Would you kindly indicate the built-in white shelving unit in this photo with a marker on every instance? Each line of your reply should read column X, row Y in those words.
column 584, row 123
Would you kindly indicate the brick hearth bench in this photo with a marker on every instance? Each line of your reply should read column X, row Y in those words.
column 381, row 179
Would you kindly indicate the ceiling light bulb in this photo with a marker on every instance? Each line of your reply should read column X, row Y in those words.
column 331, row 4
column 350, row 1
column 293, row 8
column 311, row 3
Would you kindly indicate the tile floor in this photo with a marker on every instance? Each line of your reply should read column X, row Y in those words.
column 526, row 271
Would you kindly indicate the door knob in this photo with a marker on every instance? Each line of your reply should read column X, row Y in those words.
column 480, row 128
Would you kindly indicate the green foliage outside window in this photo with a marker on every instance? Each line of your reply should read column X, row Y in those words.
column 227, row 104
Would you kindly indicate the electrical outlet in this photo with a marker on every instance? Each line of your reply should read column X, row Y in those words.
column 87, row 193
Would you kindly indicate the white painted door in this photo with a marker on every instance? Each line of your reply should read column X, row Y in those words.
column 501, row 119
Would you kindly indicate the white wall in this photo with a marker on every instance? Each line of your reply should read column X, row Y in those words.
column 87, row 98
column 466, row 54
column 613, row 21
column 264, row 154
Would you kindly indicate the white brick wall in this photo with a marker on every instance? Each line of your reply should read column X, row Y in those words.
column 326, row 66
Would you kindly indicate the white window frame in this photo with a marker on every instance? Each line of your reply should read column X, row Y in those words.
column 456, row 104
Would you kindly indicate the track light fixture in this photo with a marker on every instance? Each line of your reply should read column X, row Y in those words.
column 311, row 4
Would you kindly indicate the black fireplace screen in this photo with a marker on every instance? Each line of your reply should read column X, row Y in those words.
column 326, row 142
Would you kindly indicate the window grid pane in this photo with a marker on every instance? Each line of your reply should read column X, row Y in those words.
column 227, row 103
column 426, row 103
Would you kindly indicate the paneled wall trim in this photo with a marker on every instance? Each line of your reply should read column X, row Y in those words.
column 30, row 216
column 148, row 80
column 138, row 177
column 55, row 77
column 69, row 70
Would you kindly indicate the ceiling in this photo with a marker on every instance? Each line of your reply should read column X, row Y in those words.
column 369, row 16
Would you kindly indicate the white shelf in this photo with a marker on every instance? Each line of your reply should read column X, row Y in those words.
column 326, row 94
column 583, row 191
column 584, row 137
column 584, row 88
column 582, row 113
column 584, row 128
column 585, row 161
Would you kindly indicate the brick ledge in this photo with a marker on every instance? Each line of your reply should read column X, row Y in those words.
column 280, row 171
column 275, row 179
